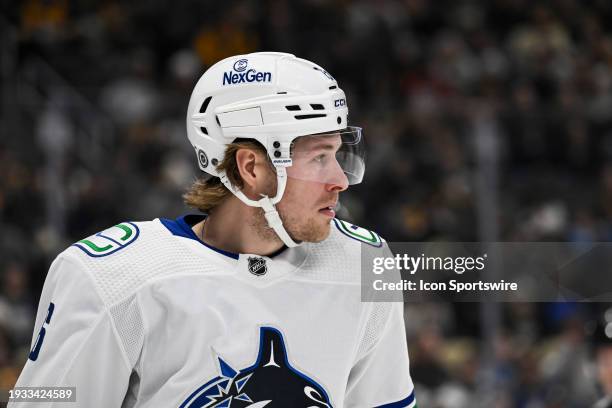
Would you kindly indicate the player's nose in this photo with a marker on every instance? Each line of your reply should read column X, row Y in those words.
column 337, row 180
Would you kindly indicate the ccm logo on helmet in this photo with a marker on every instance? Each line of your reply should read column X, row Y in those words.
column 241, row 75
column 339, row 102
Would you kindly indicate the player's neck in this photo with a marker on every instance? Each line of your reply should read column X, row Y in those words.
column 230, row 228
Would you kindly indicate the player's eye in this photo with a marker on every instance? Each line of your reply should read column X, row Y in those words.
column 320, row 158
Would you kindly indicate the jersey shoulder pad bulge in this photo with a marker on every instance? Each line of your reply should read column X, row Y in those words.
column 122, row 258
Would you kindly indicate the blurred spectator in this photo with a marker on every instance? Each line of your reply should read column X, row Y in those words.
column 602, row 344
column 16, row 303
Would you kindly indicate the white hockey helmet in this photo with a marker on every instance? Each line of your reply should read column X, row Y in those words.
column 273, row 98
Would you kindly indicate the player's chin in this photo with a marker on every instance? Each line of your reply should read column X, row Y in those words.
column 322, row 237
column 322, row 232
column 315, row 231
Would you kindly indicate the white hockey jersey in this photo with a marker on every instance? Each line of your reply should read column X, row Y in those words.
column 144, row 314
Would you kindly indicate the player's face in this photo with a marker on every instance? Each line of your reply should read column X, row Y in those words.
column 314, row 183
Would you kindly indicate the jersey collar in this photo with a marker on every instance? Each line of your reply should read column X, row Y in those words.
column 254, row 268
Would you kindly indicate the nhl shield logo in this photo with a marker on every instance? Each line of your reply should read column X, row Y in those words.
column 257, row 265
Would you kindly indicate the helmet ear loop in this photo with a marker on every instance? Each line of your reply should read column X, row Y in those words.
column 276, row 171
column 271, row 213
column 281, row 183
column 267, row 204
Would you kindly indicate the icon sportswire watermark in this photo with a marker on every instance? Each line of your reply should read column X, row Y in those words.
column 499, row 271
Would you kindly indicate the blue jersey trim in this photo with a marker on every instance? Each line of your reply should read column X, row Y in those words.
column 400, row 404
column 182, row 227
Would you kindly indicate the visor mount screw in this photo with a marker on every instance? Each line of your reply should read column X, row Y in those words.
column 339, row 120
column 276, row 144
column 214, row 162
column 277, row 154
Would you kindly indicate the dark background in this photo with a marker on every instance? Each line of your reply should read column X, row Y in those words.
column 485, row 121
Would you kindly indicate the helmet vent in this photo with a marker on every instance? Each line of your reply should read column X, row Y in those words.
column 204, row 130
column 317, row 106
column 312, row 116
column 333, row 87
column 282, row 93
column 293, row 107
column 205, row 104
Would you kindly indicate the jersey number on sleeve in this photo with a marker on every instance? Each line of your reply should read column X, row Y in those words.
column 41, row 334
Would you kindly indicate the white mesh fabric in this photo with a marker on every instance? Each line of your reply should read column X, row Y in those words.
column 152, row 255
column 128, row 321
column 337, row 259
column 379, row 315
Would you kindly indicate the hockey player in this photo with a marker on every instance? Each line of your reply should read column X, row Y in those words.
column 256, row 301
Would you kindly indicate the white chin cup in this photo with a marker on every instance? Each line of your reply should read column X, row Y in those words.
column 268, row 204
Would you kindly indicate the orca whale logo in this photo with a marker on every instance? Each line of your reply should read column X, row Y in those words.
column 270, row 382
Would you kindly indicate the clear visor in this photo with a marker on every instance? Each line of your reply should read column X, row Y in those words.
column 330, row 158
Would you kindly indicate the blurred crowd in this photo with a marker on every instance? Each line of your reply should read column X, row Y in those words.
column 475, row 112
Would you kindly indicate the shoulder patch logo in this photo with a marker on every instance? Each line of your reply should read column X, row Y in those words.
column 110, row 240
column 358, row 233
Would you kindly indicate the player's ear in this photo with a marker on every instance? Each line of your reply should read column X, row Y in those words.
column 254, row 170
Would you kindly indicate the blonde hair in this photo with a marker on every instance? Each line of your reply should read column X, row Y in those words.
column 206, row 194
